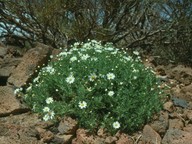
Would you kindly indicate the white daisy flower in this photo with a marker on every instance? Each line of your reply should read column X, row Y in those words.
column 63, row 54
column 36, row 79
column 114, row 53
column 74, row 58
column 17, row 90
column 136, row 53
column 49, row 69
column 109, row 49
column 152, row 89
column 46, row 109
column 116, row 125
column 127, row 58
column 82, row 104
column 110, row 76
column 76, row 44
column 89, row 89
column 134, row 70
column 49, row 100
column 82, row 49
column 94, row 59
column 85, row 57
column 34, row 107
column 98, row 50
column 121, row 83
column 70, row 79
column 29, row 88
column 92, row 77
column 111, row 93
column 46, row 117
column 51, row 114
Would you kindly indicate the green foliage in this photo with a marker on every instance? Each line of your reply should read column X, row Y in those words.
column 100, row 86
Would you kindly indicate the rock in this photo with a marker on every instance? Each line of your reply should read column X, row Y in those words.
column 99, row 140
column 188, row 128
column 6, row 68
column 189, row 114
column 67, row 126
column 82, row 136
column 101, row 132
column 55, row 52
column 25, row 119
column 6, row 71
column 8, row 62
column 176, row 136
column 63, row 139
column 175, row 123
column 150, row 136
column 190, row 105
column 9, row 104
column 124, row 139
column 187, row 88
column 160, row 70
column 31, row 60
column 45, row 136
column 161, row 124
column 182, row 74
column 17, row 134
column 44, row 124
column 168, row 106
column 3, row 51
column 19, row 129
column 180, row 102
column 110, row 140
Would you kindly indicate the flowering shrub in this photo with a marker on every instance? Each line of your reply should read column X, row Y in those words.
column 100, row 86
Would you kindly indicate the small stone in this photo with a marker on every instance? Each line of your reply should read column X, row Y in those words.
column 168, row 106
column 188, row 128
column 110, row 140
column 124, row 139
column 161, row 70
column 44, row 124
column 187, row 88
column 6, row 71
column 180, row 102
column 161, row 124
column 3, row 51
column 175, row 123
column 82, row 136
column 63, row 139
column 189, row 115
column 176, row 136
column 46, row 136
column 190, row 105
column 101, row 132
column 17, row 134
column 67, row 126
column 150, row 136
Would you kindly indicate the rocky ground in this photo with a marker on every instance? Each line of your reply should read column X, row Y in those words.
column 18, row 125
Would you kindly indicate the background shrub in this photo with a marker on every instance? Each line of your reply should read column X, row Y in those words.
column 100, row 86
column 162, row 28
